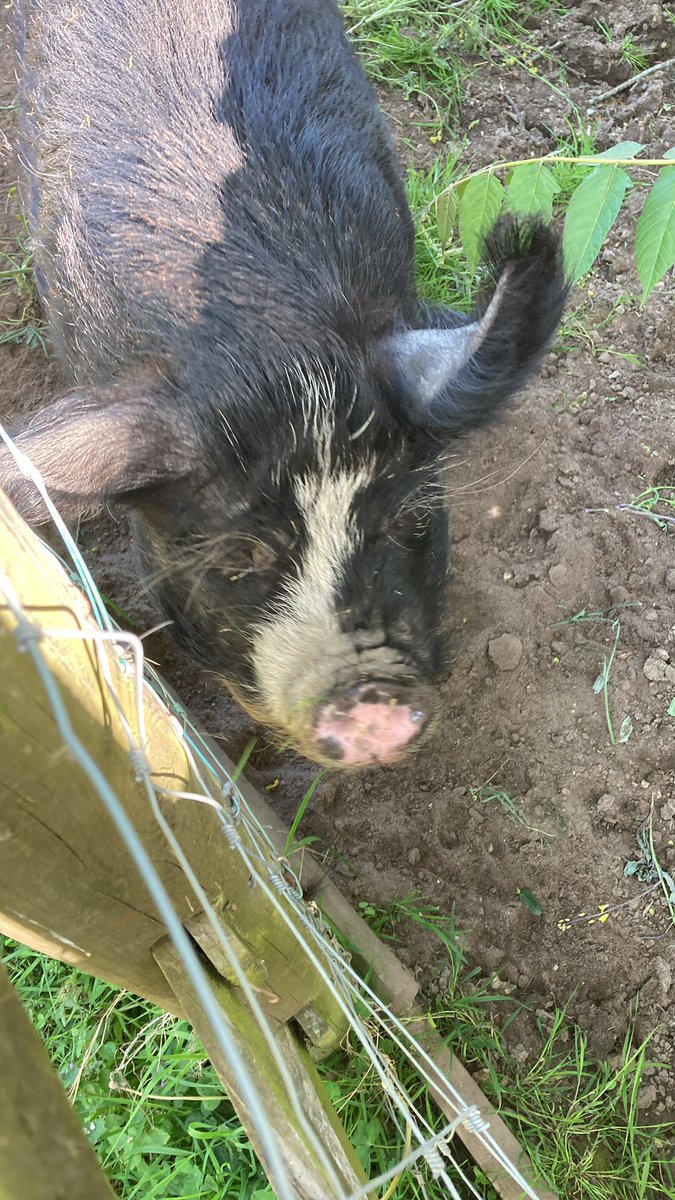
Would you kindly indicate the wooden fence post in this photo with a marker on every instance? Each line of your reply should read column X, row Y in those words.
column 44, row 1154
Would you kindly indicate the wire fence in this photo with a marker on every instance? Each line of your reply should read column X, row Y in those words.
column 427, row 1149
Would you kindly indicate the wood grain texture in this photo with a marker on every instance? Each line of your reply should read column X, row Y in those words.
column 44, row 1154
column 305, row 1172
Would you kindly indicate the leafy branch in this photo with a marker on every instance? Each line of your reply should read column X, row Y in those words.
column 529, row 188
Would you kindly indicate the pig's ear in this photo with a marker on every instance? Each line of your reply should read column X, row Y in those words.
column 455, row 372
column 100, row 443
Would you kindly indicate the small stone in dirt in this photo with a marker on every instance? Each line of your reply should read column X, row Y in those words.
column 414, row 856
column 647, row 1096
column 619, row 594
column 549, row 521
column 506, row 651
column 492, row 957
column 558, row 574
column 654, row 670
column 606, row 807
column 657, row 671
column 664, row 974
column 669, row 579
column 329, row 793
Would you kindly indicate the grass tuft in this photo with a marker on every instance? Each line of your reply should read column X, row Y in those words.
column 155, row 1113
column 18, row 292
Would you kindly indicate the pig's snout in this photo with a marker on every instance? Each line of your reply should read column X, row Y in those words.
column 375, row 722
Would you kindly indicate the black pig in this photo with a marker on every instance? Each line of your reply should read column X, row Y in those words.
column 224, row 250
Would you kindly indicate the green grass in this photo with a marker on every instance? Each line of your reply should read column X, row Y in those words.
column 403, row 46
column 427, row 48
column 153, row 1107
column 441, row 263
column 580, row 141
column 657, row 503
column 123, row 1060
column 441, row 266
column 628, row 50
column 580, row 1121
column 17, row 285
column 485, row 794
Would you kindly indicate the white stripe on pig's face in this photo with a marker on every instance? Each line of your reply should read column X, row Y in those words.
column 292, row 650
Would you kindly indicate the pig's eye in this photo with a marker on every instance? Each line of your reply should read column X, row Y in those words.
column 409, row 526
column 247, row 556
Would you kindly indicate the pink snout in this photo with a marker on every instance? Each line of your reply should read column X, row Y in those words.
column 375, row 722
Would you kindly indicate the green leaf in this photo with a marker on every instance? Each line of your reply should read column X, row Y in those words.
column 592, row 211
column 671, row 708
column 626, row 731
column 479, row 207
column 531, row 190
column 623, row 150
column 366, row 1135
column 655, row 234
column 530, row 901
column 630, row 868
column 600, row 682
column 446, row 215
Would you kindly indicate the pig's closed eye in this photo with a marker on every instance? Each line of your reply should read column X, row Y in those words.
column 246, row 557
column 409, row 527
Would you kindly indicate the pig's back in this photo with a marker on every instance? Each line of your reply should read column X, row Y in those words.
column 206, row 174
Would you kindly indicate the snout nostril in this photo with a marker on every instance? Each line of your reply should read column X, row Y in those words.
column 331, row 748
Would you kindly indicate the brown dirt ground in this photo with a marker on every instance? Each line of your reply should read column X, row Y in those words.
column 593, row 432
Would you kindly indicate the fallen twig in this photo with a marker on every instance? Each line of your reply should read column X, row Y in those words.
column 629, row 83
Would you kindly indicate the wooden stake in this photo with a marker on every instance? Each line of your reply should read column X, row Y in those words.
column 306, row 1174
column 44, row 1154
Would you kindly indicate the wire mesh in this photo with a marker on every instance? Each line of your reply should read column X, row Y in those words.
column 428, row 1150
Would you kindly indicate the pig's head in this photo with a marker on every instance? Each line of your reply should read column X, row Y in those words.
column 299, row 542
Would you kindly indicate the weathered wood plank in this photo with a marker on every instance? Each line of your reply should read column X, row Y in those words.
column 44, row 1154
column 305, row 1172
